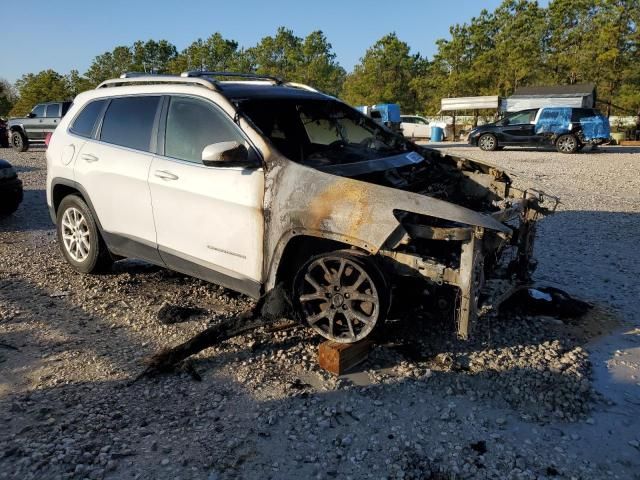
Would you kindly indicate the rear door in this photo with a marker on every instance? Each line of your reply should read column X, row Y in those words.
column 113, row 168
column 209, row 219
column 53, row 114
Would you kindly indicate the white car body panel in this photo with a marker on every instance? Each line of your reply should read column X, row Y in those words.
column 212, row 216
column 415, row 130
column 117, row 184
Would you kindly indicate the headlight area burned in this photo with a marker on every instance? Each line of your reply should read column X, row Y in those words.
column 471, row 260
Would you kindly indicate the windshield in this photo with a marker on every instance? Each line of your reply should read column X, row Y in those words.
column 321, row 132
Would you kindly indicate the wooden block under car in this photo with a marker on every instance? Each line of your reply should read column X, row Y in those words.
column 338, row 358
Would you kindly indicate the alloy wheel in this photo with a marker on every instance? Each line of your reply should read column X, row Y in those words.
column 567, row 144
column 487, row 142
column 16, row 140
column 75, row 234
column 339, row 299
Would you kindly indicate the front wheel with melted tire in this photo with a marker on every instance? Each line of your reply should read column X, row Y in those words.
column 79, row 238
column 342, row 296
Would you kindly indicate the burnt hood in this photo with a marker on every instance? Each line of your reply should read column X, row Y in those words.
column 353, row 211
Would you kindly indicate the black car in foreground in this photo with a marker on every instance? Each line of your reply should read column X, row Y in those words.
column 4, row 134
column 10, row 189
column 568, row 129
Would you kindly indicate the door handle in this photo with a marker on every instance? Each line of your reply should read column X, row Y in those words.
column 163, row 174
column 87, row 157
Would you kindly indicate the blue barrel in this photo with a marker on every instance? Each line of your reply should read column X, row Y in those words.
column 437, row 134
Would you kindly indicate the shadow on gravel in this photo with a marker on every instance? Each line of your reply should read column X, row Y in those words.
column 66, row 328
column 27, row 169
column 32, row 214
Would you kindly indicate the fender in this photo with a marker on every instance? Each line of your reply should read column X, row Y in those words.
column 85, row 195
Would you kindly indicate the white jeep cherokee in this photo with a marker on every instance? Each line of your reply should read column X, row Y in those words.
column 253, row 183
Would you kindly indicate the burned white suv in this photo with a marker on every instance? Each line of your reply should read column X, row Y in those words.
column 253, row 183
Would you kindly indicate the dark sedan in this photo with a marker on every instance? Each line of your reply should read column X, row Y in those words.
column 4, row 134
column 10, row 189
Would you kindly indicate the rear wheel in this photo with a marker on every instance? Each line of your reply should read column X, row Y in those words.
column 567, row 143
column 79, row 238
column 342, row 296
column 19, row 141
column 488, row 142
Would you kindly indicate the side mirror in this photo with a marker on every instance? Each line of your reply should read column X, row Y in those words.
column 31, row 115
column 227, row 152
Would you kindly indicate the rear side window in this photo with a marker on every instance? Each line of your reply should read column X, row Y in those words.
column 53, row 110
column 85, row 122
column 193, row 124
column 579, row 113
column 128, row 122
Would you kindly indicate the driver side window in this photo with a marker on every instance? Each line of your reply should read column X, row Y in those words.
column 192, row 124
column 38, row 111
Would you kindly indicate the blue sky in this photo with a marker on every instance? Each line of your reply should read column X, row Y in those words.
column 64, row 35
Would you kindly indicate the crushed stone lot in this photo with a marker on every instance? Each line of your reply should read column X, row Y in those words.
column 527, row 398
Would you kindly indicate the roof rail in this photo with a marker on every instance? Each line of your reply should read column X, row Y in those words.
column 130, row 78
column 252, row 76
column 302, row 86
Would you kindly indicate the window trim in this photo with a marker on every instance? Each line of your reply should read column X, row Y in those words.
column 162, row 127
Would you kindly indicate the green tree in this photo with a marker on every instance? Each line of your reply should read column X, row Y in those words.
column 318, row 66
column 215, row 53
column 596, row 41
column 8, row 97
column 280, row 55
column 110, row 65
column 308, row 60
column 385, row 74
column 517, row 56
column 77, row 83
column 152, row 56
column 149, row 56
column 45, row 86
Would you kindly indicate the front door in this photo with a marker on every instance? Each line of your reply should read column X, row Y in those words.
column 209, row 219
column 519, row 127
column 34, row 125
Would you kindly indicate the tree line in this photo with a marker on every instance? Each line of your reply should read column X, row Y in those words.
column 519, row 44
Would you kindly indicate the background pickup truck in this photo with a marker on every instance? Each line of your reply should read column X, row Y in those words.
column 33, row 128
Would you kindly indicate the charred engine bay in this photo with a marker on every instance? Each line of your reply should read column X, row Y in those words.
column 439, row 177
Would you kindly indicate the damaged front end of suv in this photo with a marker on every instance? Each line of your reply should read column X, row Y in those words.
column 354, row 205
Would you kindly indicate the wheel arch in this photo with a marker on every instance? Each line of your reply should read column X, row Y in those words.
column 298, row 248
column 17, row 128
column 61, row 188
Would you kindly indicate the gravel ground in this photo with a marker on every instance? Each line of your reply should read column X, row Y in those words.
column 528, row 398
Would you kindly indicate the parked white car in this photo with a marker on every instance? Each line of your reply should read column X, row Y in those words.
column 279, row 191
column 415, row 127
